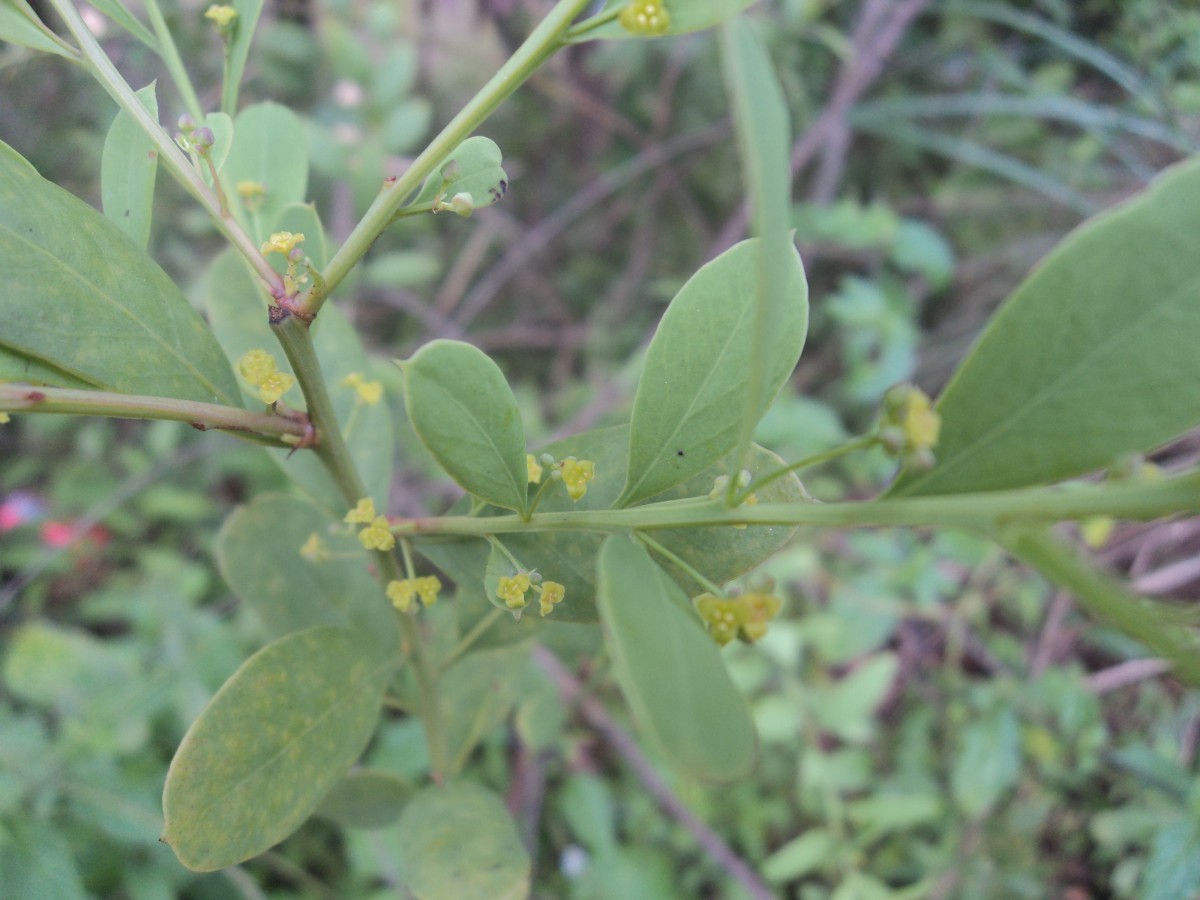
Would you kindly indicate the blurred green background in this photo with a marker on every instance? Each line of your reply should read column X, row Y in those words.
column 934, row 720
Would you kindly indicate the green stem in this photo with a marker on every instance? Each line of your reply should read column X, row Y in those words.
column 174, row 63
column 601, row 18
column 229, row 84
column 331, row 448
column 681, row 563
column 538, row 47
column 480, row 629
column 984, row 512
column 1106, row 599
column 816, row 459
column 169, row 154
column 272, row 426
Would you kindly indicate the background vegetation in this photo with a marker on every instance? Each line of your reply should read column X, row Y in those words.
column 934, row 721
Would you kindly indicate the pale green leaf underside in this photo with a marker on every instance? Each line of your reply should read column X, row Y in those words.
column 686, row 16
column 1093, row 356
column 366, row 799
column 278, row 735
column 721, row 553
column 479, row 174
column 464, row 411
column 693, row 392
column 461, row 844
column 81, row 298
column 669, row 669
column 128, row 166
column 258, row 552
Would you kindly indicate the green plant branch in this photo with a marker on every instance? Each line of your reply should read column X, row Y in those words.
column 541, row 44
column 984, row 511
column 271, row 427
column 169, row 154
column 679, row 562
column 1106, row 599
column 172, row 60
column 861, row 443
column 481, row 628
column 331, row 448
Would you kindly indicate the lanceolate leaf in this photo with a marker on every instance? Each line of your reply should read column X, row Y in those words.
column 258, row 551
column 19, row 24
column 465, row 413
column 764, row 143
column 80, row 298
column 280, row 732
column 569, row 557
column 117, row 11
column 692, row 398
column 461, row 844
column 686, row 15
column 1091, row 358
column 669, row 669
column 128, row 166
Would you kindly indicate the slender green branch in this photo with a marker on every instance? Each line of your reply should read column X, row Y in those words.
column 678, row 561
column 538, row 47
column 229, row 84
column 1107, row 599
column 174, row 63
column 169, row 154
column 332, row 450
column 271, row 426
column 472, row 636
column 816, row 459
column 601, row 18
column 986, row 511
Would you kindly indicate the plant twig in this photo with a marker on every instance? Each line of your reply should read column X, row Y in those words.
column 592, row 711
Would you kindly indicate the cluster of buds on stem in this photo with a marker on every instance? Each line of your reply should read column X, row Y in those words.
column 513, row 588
column 645, row 17
column 377, row 535
column 745, row 617
column 259, row 369
column 909, row 426
column 574, row 473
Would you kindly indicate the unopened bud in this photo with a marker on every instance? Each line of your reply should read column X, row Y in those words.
column 203, row 139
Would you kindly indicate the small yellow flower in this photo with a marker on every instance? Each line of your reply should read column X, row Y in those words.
column 1097, row 530
column 5, row 418
column 722, row 616
column 369, row 392
column 550, row 593
column 910, row 426
column 757, row 610
column 648, row 17
column 512, row 589
column 576, row 473
column 533, row 468
column 401, row 593
column 257, row 366
column 428, row 589
column 313, row 549
column 222, row 16
column 282, row 242
column 275, row 386
column 252, row 193
column 377, row 535
column 362, row 514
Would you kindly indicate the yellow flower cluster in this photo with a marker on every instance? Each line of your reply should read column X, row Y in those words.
column 513, row 588
column 5, row 418
column 648, row 17
column 533, row 468
column 259, row 369
column 369, row 392
column 747, row 616
column 401, row 593
column 281, row 242
column 576, row 473
column 377, row 535
column 910, row 426
column 221, row 16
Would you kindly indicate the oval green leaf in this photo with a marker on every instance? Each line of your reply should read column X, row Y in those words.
column 721, row 553
column 461, row 844
column 473, row 168
column 1091, row 358
column 128, row 166
column 92, row 305
column 258, row 553
column 692, row 396
column 466, row 415
column 686, row 16
column 366, row 799
column 270, row 147
column 277, row 736
column 669, row 669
